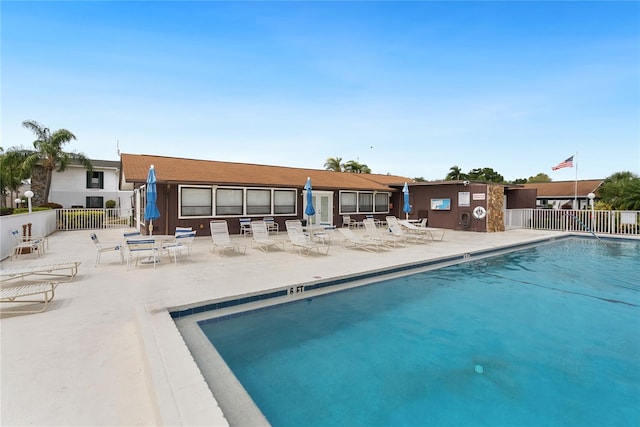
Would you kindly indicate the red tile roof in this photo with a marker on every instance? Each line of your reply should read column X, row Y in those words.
column 565, row 189
column 135, row 168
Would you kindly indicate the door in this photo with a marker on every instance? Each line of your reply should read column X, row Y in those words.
column 323, row 205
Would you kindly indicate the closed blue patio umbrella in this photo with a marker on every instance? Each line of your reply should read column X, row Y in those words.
column 406, row 208
column 151, row 211
column 309, row 210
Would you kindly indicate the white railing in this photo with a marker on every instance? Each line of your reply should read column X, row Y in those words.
column 93, row 219
column 597, row 221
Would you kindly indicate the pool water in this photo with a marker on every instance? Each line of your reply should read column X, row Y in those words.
column 544, row 336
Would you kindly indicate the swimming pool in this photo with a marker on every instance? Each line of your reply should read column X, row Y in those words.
column 542, row 336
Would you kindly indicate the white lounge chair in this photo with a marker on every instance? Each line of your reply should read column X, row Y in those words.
column 398, row 231
column 261, row 238
column 16, row 293
column 25, row 247
column 106, row 247
column 350, row 239
column 436, row 234
column 181, row 241
column 301, row 242
column 384, row 237
column 41, row 272
column 220, row 239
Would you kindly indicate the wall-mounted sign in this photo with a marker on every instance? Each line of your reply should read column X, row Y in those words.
column 441, row 204
column 479, row 196
column 464, row 198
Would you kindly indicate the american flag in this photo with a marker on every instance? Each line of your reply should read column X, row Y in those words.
column 566, row 164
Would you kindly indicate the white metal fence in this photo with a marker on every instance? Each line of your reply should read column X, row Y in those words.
column 93, row 219
column 596, row 221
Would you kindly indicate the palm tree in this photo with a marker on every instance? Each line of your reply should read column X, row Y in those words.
column 621, row 190
column 333, row 164
column 12, row 172
column 356, row 167
column 48, row 153
column 455, row 174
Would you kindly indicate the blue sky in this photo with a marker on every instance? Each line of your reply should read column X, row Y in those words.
column 408, row 88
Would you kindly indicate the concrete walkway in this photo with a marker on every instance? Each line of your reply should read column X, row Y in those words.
column 106, row 353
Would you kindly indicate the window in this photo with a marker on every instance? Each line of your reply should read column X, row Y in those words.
column 363, row 202
column 94, row 202
column 284, row 201
column 95, row 179
column 258, row 202
column 348, row 202
column 229, row 201
column 382, row 202
column 196, row 201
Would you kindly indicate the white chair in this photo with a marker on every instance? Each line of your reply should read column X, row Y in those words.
column 24, row 247
column 245, row 226
column 141, row 248
column 348, row 222
column 220, row 239
column 398, row 231
column 261, row 237
column 271, row 224
column 183, row 229
column 427, row 231
column 128, row 234
column 350, row 239
column 180, row 241
column 373, row 232
column 301, row 242
column 106, row 247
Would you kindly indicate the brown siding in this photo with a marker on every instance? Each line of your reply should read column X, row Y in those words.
column 521, row 198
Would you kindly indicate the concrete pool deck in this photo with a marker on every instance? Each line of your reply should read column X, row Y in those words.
column 106, row 352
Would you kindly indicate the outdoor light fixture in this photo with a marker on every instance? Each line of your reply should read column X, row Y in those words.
column 29, row 194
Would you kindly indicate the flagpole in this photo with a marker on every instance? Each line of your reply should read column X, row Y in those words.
column 575, row 188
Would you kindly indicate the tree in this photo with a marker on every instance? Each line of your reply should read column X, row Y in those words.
column 333, row 164
column 485, row 174
column 49, row 154
column 541, row 177
column 355, row 167
column 455, row 174
column 621, row 190
column 12, row 173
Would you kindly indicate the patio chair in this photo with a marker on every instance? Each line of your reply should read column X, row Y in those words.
column 134, row 233
column 106, row 247
column 24, row 247
column 220, row 239
column 376, row 221
column 180, row 241
column 16, row 293
column 373, row 232
column 348, row 222
column 183, row 229
column 350, row 239
column 429, row 232
column 301, row 242
column 398, row 231
column 57, row 272
column 271, row 223
column 261, row 237
column 141, row 248
column 245, row 226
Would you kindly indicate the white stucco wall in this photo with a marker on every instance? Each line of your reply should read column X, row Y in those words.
column 69, row 188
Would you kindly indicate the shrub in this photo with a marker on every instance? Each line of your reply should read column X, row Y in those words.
column 50, row 205
column 110, row 204
column 6, row 211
